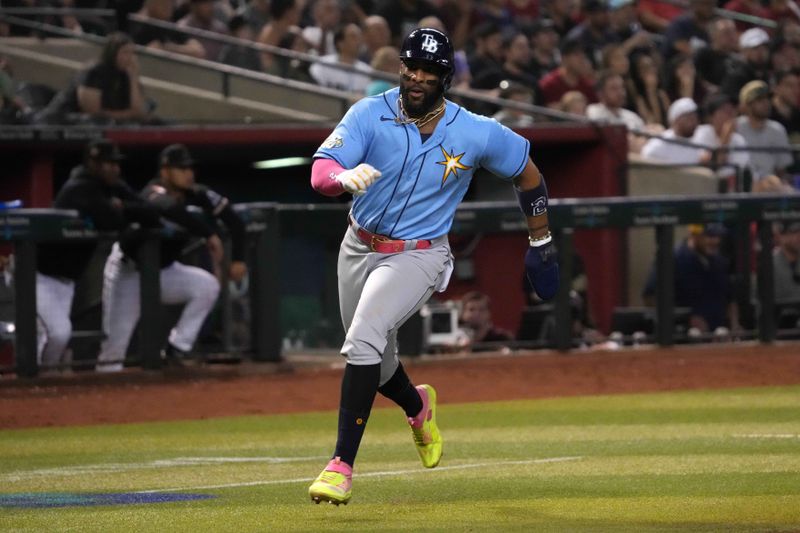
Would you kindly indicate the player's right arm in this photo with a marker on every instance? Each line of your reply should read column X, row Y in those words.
column 339, row 162
column 329, row 178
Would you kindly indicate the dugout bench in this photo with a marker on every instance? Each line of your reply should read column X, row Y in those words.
column 267, row 223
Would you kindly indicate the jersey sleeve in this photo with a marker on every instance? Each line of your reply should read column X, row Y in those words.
column 506, row 152
column 348, row 143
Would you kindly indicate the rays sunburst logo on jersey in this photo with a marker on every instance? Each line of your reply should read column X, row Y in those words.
column 452, row 164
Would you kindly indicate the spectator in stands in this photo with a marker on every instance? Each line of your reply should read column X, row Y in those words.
column 595, row 31
column 476, row 319
column 170, row 193
column 761, row 132
column 13, row 109
column 517, row 53
column 201, row 17
column 376, row 35
column 786, row 263
column 785, row 101
column 98, row 192
column 754, row 48
column 524, row 12
column 111, row 89
column 574, row 102
column 487, row 56
column 284, row 17
column 562, row 13
column 784, row 55
column 753, row 8
column 610, row 89
column 719, row 131
column 544, row 48
column 646, row 95
column 512, row 117
column 348, row 43
column 681, row 80
column 107, row 92
column 403, row 15
column 711, row 61
column 687, row 32
column 255, row 14
column 615, row 59
column 625, row 25
column 326, row 16
column 238, row 55
column 674, row 146
column 574, row 74
column 163, row 39
column 656, row 15
column 291, row 68
column 386, row 59
column 701, row 281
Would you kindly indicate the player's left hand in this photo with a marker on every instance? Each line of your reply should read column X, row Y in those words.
column 541, row 267
column 237, row 271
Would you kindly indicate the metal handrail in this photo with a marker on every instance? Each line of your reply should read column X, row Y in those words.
column 74, row 11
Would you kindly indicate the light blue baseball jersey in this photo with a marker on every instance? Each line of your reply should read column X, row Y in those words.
column 421, row 183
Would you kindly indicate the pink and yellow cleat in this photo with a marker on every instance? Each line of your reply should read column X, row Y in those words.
column 424, row 429
column 333, row 485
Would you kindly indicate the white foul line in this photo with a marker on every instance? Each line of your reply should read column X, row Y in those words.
column 156, row 464
column 368, row 474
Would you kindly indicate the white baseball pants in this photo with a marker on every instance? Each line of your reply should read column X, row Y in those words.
column 53, row 327
column 180, row 283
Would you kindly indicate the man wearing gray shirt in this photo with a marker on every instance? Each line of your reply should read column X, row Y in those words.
column 761, row 132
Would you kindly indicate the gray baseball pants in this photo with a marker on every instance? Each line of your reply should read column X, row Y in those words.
column 378, row 292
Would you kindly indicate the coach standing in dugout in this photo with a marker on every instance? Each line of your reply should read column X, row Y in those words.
column 171, row 193
column 97, row 190
column 408, row 155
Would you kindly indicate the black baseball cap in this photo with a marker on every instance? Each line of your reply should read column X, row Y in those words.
column 103, row 150
column 176, row 155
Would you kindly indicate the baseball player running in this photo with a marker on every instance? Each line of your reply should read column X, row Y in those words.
column 97, row 190
column 407, row 156
column 171, row 192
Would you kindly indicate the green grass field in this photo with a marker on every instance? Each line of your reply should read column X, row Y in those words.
column 688, row 461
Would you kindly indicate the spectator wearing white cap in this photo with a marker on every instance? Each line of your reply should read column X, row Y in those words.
column 761, row 132
column 754, row 63
column 674, row 146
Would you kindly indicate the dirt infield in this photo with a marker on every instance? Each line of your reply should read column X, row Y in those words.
column 136, row 396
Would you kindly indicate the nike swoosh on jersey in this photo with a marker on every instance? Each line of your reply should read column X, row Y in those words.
column 384, row 118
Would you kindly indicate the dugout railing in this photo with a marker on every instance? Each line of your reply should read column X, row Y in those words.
column 268, row 224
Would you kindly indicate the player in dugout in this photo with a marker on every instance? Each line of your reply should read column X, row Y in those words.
column 171, row 193
column 408, row 155
column 98, row 192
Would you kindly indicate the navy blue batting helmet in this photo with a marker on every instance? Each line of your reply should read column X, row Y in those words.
column 431, row 46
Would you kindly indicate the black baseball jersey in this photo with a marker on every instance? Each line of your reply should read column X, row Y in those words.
column 173, row 208
column 107, row 208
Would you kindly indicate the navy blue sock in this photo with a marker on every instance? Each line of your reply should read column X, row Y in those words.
column 401, row 391
column 359, row 385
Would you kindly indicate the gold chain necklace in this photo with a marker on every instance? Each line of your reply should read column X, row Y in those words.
column 420, row 121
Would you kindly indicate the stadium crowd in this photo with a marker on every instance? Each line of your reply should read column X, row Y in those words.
column 681, row 73
column 705, row 83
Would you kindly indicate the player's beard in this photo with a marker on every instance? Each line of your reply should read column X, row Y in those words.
column 415, row 108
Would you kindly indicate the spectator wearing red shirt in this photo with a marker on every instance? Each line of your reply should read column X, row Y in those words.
column 574, row 74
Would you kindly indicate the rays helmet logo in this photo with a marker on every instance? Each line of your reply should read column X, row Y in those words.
column 429, row 44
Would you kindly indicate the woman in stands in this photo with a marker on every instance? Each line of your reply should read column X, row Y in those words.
column 110, row 89
column 646, row 94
